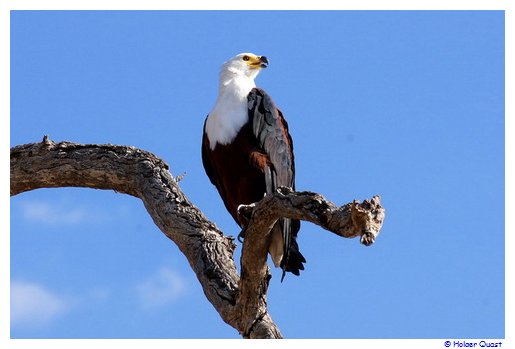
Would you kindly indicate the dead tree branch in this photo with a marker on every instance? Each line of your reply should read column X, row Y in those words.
column 240, row 301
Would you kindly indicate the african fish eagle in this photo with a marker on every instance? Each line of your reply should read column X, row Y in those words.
column 247, row 152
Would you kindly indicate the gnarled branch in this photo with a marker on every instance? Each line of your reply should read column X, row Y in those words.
column 240, row 301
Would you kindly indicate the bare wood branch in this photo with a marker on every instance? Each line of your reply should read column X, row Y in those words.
column 351, row 220
column 241, row 302
column 141, row 174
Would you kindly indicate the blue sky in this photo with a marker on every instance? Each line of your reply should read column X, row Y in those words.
column 407, row 105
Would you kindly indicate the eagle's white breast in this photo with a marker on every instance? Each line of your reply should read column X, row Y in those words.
column 230, row 112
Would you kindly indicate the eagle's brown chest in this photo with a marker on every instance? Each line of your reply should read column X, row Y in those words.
column 241, row 179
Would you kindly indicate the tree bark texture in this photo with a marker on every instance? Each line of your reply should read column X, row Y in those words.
column 240, row 300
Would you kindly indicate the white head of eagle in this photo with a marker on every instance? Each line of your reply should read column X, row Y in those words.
column 236, row 81
column 247, row 152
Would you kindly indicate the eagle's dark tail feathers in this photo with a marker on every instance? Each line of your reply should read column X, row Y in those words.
column 292, row 258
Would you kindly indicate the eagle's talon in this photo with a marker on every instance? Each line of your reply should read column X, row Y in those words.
column 285, row 190
column 244, row 212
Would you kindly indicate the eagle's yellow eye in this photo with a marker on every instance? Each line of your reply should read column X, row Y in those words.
column 246, row 58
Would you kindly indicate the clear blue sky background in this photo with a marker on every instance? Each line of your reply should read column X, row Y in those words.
column 408, row 105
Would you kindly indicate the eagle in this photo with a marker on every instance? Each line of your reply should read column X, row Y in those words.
column 247, row 152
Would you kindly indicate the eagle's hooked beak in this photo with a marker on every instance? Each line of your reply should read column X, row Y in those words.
column 264, row 61
column 258, row 62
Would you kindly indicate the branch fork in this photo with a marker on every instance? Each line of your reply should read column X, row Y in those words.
column 239, row 299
